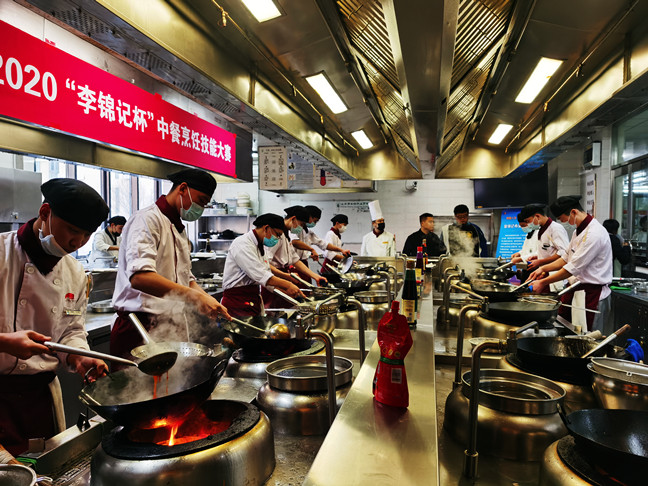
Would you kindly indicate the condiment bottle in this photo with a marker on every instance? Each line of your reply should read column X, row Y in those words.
column 420, row 264
column 395, row 340
column 410, row 294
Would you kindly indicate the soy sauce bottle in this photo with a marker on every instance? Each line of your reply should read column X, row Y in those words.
column 410, row 294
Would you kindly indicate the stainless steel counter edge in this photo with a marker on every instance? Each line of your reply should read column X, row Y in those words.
column 370, row 443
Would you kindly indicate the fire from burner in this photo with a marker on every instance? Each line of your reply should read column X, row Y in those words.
column 196, row 426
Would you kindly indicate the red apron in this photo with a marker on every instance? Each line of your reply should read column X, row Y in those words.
column 325, row 268
column 592, row 296
column 26, row 410
column 273, row 301
column 303, row 275
column 243, row 301
column 124, row 337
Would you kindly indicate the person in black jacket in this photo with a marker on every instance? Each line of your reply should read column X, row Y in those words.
column 433, row 244
column 621, row 250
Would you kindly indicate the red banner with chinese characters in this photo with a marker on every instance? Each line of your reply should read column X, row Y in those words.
column 43, row 85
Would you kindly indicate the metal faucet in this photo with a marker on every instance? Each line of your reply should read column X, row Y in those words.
column 330, row 370
column 447, row 280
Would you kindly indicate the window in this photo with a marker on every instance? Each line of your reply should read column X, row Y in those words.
column 50, row 169
column 145, row 191
column 93, row 177
column 120, row 194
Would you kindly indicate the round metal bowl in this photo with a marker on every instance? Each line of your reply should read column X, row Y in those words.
column 102, row 307
column 372, row 296
column 515, row 392
column 614, row 393
column 621, row 369
column 307, row 373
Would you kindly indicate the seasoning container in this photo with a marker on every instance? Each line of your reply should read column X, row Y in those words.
column 395, row 340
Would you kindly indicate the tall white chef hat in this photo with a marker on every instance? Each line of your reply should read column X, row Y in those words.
column 375, row 211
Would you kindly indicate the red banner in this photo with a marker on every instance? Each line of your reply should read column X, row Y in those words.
column 43, row 85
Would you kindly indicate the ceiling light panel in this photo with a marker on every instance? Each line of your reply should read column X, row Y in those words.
column 361, row 137
column 262, row 9
column 500, row 132
column 539, row 78
column 323, row 87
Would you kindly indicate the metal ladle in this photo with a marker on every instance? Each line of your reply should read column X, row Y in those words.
column 276, row 331
column 62, row 348
column 161, row 358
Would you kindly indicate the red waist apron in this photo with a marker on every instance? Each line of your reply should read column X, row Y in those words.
column 243, row 301
column 303, row 275
column 124, row 337
column 272, row 301
column 26, row 410
column 325, row 268
column 592, row 296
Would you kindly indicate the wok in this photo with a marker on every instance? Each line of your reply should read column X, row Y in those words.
column 558, row 358
column 355, row 285
column 253, row 342
column 614, row 440
column 127, row 397
column 522, row 311
column 495, row 291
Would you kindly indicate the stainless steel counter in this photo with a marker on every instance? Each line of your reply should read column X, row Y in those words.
column 370, row 443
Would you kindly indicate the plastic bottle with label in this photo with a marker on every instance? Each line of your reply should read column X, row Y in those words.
column 410, row 294
column 395, row 340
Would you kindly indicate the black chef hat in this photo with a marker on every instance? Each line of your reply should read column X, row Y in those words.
column 116, row 220
column 273, row 220
column 197, row 179
column 314, row 211
column 340, row 218
column 531, row 209
column 75, row 202
column 564, row 204
column 298, row 211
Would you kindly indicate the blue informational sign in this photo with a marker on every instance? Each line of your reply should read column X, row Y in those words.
column 511, row 236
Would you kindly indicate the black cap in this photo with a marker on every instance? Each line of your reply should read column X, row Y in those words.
column 564, row 205
column 297, row 211
column 117, row 220
column 273, row 220
column 75, row 202
column 340, row 218
column 314, row 211
column 197, row 179
column 531, row 209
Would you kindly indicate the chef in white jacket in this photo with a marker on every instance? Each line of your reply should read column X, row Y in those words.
column 309, row 239
column 378, row 243
column 43, row 297
column 105, row 245
column 530, row 245
column 154, row 278
column 334, row 237
column 247, row 268
column 587, row 262
column 552, row 239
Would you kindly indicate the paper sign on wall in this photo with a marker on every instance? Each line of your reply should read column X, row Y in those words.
column 273, row 168
column 590, row 194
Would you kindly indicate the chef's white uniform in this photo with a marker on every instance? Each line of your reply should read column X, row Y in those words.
column 553, row 240
column 383, row 245
column 244, row 264
column 529, row 247
column 283, row 254
column 100, row 244
column 332, row 238
column 312, row 240
column 151, row 243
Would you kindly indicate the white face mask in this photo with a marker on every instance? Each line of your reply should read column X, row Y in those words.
column 193, row 213
column 567, row 224
column 49, row 244
column 342, row 229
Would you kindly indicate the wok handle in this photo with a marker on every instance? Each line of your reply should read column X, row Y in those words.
column 286, row 297
column 520, row 330
column 502, row 267
column 62, row 348
column 563, row 415
column 140, row 328
column 333, row 268
column 299, row 279
column 568, row 289
column 243, row 323
column 608, row 339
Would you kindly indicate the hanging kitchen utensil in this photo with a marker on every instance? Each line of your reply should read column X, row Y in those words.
column 62, row 348
column 133, row 399
column 615, row 441
column 607, row 340
column 161, row 358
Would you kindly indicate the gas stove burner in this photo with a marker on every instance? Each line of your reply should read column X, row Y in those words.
column 570, row 454
column 241, row 356
column 238, row 450
column 212, row 424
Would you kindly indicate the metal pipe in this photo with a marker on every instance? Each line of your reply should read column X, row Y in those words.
column 470, row 454
column 460, row 339
column 362, row 323
column 447, row 279
column 387, row 279
column 330, row 370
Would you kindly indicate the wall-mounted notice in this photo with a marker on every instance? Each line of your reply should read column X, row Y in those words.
column 322, row 179
column 590, row 193
column 511, row 237
column 273, row 168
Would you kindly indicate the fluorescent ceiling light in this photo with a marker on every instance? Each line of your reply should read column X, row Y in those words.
column 262, row 9
column 539, row 77
column 361, row 137
column 499, row 133
column 323, row 87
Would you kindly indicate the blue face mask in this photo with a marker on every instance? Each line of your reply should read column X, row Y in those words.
column 193, row 213
column 567, row 225
column 527, row 229
column 49, row 244
column 534, row 227
column 296, row 231
column 310, row 225
column 270, row 242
